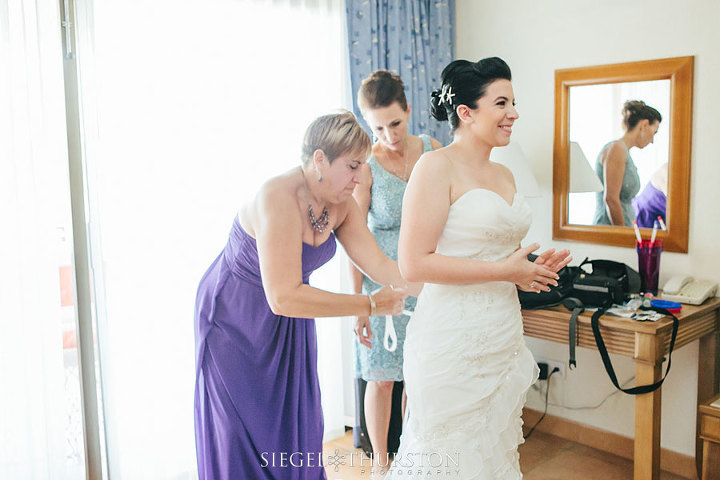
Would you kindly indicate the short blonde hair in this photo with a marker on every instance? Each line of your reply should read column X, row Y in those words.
column 335, row 134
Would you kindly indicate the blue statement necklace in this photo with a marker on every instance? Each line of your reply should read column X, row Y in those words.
column 319, row 224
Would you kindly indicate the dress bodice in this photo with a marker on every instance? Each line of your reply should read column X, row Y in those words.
column 483, row 226
column 241, row 255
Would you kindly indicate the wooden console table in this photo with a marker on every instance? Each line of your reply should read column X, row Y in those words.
column 710, row 434
column 647, row 343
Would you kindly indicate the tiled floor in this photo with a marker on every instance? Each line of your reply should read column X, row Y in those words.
column 542, row 457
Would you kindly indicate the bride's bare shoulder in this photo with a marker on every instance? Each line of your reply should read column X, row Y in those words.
column 433, row 164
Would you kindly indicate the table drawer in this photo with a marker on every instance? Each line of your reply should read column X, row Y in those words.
column 710, row 428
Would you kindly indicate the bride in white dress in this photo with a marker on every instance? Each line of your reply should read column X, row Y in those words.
column 466, row 365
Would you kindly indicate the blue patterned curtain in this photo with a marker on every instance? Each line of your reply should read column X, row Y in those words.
column 413, row 38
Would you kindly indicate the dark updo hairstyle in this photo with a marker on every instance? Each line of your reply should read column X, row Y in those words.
column 381, row 89
column 635, row 110
column 467, row 82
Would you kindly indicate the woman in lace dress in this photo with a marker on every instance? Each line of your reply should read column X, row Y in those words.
column 383, row 179
column 467, row 368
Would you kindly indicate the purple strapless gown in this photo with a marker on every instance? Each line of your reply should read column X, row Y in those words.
column 257, row 396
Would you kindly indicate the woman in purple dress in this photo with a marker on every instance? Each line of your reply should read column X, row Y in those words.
column 257, row 398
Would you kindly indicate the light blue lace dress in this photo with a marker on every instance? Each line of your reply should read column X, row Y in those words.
column 386, row 194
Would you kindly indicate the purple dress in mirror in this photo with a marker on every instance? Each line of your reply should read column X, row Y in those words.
column 649, row 205
column 257, row 397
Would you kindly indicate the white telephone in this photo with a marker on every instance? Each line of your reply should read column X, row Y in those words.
column 685, row 289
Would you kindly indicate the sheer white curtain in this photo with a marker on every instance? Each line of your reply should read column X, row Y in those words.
column 188, row 106
column 34, row 213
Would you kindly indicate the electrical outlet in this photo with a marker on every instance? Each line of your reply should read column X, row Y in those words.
column 552, row 365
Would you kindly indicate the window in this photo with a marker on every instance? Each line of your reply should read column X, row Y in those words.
column 186, row 107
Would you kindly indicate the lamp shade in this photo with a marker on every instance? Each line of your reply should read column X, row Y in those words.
column 582, row 177
column 513, row 157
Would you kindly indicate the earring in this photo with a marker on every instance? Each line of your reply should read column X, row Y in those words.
column 319, row 174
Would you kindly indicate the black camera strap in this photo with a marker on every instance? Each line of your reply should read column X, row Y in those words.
column 576, row 307
column 606, row 358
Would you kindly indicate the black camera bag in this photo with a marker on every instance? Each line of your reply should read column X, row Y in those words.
column 608, row 283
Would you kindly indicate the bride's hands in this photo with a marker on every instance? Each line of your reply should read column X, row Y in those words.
column 553, row 260
column 529, row 276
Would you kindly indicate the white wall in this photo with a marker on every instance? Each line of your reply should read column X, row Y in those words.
column 536, row 38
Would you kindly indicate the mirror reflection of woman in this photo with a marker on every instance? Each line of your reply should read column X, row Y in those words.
column 379, row 194
column 616, row 169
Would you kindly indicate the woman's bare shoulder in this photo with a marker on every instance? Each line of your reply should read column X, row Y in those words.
column 616, row 149
column 435, row 161
column 504, row 173
column 433, row 169
column 270, row 199
column 502, row 170
column 277, row 196
column 285, row 184
column 615, row 152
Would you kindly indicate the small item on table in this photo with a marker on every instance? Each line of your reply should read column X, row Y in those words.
column 672, row 307
column 634, row 303
column 647, row 316
column 647, row 300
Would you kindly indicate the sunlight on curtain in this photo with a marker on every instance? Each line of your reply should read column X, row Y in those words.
column 40, row 426
column 188, row 107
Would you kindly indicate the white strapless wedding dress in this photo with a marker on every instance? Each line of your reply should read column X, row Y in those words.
column 467, row 369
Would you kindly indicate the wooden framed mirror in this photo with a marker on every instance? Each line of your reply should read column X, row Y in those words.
column 588, row 104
